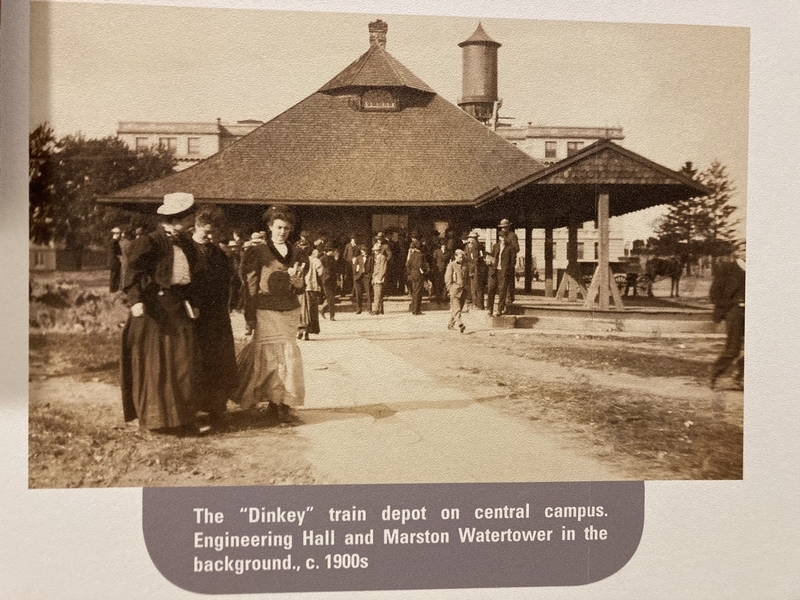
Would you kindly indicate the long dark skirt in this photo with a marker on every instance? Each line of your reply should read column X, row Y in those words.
column 159, row 361
column 217, row 375
column 309, row 312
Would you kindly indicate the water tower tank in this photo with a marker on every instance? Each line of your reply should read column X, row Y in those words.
column 479, row 78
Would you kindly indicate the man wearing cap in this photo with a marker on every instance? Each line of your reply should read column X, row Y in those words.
column 416, row 271
column 727, row 294
column 455, row 280
column 114, row 260
column 159, row 348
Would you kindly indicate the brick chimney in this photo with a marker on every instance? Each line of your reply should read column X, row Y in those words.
column 377, row 33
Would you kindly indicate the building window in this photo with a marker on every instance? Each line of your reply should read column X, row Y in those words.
column 385, row 222
column 142, row 144
column 555, row 250
column 596, row 250
column 193, row 146
column 168, row 143
column 549, row 149
column 379, row 100
column 580, row 251
column 573, row 147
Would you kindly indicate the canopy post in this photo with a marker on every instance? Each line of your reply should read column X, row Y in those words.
column 528, row 259
column 603, row 284
column 548, row 262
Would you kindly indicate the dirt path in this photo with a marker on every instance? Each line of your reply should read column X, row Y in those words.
column 399, row 398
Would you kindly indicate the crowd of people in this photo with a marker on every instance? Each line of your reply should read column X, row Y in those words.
column 182, row 280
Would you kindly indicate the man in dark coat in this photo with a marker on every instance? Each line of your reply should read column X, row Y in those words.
column 512, row 240
column 474, row 261
column 505, row 258
column 329, row 275
column 416, row 270
column 351, row 250
column 441, row 258
column 727, row 294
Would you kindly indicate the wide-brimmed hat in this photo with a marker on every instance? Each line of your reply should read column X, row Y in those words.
column 473, row 234
column 459, row 253
column 116, row 230
column 505, row 223
column 176, row 203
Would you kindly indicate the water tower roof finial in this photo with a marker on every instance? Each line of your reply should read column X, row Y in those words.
column 479, row 37
column 377, row 33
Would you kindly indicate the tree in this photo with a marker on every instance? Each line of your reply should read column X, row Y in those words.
column 68, row 175
column 701, row 225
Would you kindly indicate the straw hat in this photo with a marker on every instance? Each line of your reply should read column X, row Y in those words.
column 176, row 203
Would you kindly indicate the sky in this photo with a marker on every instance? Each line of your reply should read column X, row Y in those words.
column 680, row 92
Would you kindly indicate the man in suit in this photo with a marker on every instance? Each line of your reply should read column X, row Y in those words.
column 348, row 254
column 441, row 258
column 505, row 259
column 329, row 274
column 361, row 264
column 455, row 280
column 379, row 268
column 727, row 294
column 513, row 242
column 416, row 270
column 474, row 261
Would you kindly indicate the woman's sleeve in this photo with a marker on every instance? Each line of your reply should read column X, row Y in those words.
column 251, row 276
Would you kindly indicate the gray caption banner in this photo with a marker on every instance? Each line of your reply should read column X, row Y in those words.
column 384, row 537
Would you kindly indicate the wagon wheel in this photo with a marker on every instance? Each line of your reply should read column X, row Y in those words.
column 587, row 281
column 621, row 279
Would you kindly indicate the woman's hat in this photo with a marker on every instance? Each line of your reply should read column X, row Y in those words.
column 176, row 203
column 505, row 223
column 473, row 234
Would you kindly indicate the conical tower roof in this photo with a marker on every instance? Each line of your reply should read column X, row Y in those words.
column 479, row 37
column 376, row 68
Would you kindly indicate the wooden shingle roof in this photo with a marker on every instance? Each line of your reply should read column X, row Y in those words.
column 328, row 150
column 567, row 190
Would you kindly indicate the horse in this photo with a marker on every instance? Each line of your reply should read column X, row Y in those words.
column 671, row 267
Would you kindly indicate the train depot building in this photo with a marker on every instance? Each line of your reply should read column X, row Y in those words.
column 376, row 148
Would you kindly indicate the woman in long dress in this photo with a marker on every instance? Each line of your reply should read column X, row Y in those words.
column 271, row 369
column 311, row 296
column 159, row 349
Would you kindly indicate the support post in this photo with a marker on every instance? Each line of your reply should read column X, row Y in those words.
column 603, row 284
column 528, row 259
column 548, row 262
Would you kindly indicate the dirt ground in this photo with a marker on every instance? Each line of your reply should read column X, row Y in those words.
column 638, row 405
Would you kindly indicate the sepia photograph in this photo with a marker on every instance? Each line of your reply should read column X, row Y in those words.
column 293, row 248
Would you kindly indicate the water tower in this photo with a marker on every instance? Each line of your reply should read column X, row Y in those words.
column 479, row 78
